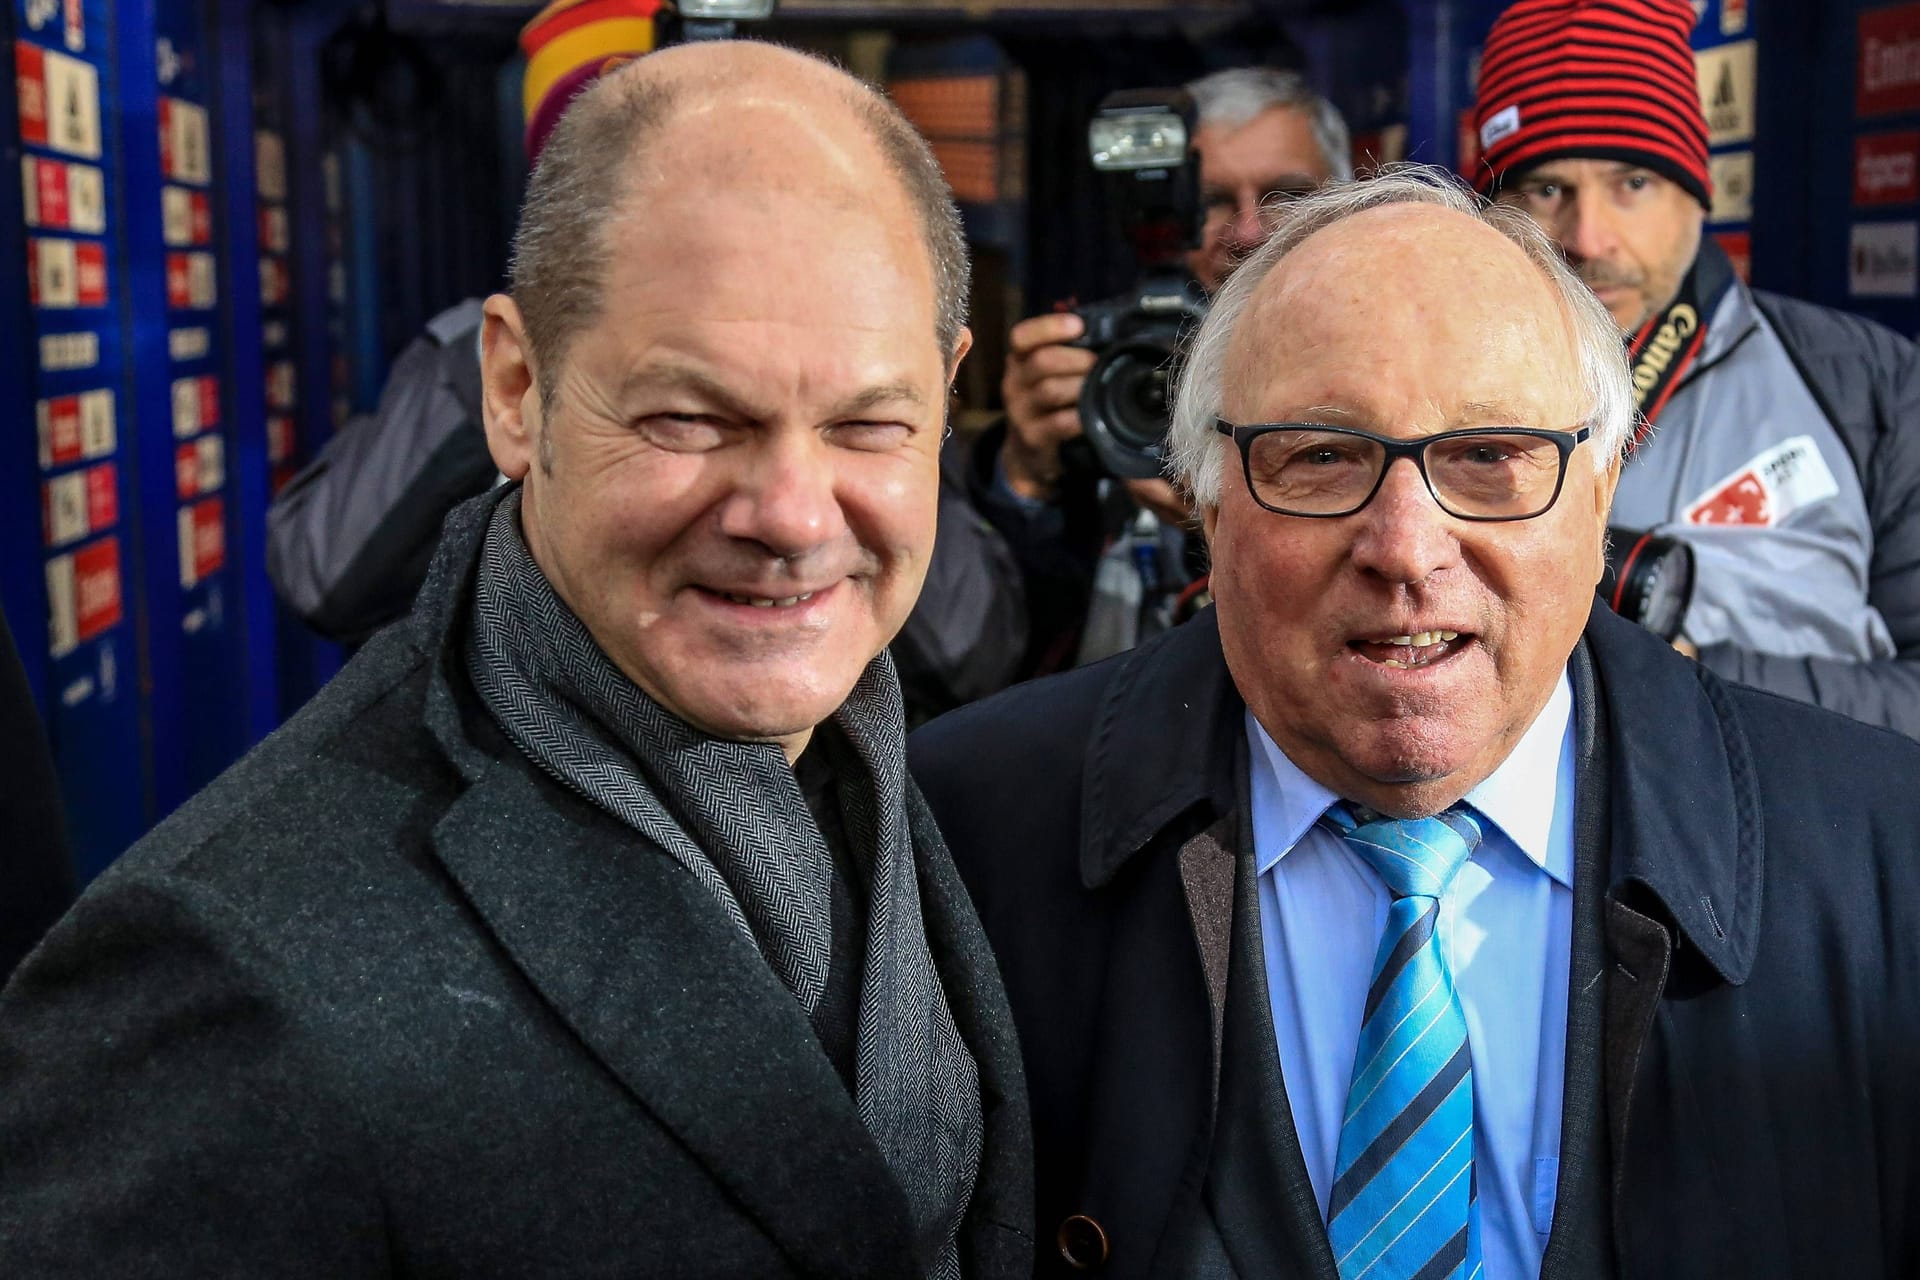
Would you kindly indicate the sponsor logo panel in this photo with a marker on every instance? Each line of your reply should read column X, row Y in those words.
column 1883, row 260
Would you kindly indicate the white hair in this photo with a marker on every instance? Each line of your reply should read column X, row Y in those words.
column 1196, row 452
column 1230, row 99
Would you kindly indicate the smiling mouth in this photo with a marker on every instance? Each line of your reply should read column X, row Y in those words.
column 1411, row 650
column 766, row 602
column 773, row 604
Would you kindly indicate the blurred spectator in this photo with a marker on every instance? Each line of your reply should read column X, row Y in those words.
column 1785, row 441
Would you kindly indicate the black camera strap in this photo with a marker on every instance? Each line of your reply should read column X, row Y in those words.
column 1663, row 350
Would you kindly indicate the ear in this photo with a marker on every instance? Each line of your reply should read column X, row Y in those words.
column 509, row 388
column 1603, row 486
column 961, row 345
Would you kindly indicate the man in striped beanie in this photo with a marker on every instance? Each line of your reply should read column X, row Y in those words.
column 1592, row 123
column 1779, row 439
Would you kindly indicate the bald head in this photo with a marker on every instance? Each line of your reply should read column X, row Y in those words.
column 719, row 117
column 1431, row 261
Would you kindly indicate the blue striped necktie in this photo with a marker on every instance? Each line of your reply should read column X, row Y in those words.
column 1404, row 1205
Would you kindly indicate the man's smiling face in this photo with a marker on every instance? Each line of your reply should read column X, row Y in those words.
column 735, row 480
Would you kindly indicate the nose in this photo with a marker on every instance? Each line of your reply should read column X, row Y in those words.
column 1403, row 536
column 1589, row 231
column 1246, row 229
column 784, row 497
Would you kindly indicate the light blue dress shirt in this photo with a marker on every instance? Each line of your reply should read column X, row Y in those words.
column 1506, row 923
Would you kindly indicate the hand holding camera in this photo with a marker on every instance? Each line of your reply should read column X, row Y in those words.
column 1041, row 387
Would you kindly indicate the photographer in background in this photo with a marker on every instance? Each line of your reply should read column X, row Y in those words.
column 1105, row 562
column 1785, row 451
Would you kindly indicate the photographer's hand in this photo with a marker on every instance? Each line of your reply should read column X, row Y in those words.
column 1041, row 387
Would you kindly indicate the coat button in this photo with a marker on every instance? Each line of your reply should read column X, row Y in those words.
column 1083, row 1243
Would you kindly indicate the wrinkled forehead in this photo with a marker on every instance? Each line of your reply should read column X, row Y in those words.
column 1402, row 308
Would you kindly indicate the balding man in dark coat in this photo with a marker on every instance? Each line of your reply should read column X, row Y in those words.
column 587, row 924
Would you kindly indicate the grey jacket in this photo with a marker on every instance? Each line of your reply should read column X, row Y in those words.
column 350, row 537
column 1789, row 459
column 385, row 1000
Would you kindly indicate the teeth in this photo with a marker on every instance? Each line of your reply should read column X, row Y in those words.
column 766, row 602
column 1421, row 639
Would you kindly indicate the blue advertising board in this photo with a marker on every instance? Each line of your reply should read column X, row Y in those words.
column 202, row 597
column 75, row 579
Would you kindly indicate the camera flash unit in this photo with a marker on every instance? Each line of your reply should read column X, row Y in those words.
column 1129, row 140
column 726, row 10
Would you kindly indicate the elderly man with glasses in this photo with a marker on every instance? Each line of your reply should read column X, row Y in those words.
column 1408, row 915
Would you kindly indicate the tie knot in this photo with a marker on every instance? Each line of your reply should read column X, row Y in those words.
column 1415, row 857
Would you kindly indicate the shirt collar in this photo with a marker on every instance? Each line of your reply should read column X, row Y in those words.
column 1292, row 800
column 1518, row 797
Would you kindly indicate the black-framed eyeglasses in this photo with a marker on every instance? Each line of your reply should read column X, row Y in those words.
column 1480, row 473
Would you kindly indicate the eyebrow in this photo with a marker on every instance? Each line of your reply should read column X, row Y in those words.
column 1290, row 181
column 1477, row 411
column 680, row 375
column 1472, row 413
column 1547, row 173
column 873, row 397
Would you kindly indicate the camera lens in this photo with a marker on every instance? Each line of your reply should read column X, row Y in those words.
column 1124, row 406
column 1649, row 579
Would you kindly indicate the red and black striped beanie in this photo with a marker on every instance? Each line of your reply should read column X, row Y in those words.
column 1596, row 80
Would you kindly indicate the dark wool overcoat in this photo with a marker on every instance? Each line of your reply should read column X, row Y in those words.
column 1743, row 1061
column 386, row 1001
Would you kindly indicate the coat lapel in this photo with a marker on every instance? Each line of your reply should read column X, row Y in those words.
column 668, row 995
column 1581, row 1241
column 1207, row 882
column 1258, row 1188
column 1160, row 770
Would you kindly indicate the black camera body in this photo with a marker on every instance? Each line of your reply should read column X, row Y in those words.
column 1125, row 401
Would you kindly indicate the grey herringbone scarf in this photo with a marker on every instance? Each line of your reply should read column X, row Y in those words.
column 732, row 814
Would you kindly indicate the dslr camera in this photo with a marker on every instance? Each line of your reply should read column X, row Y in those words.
column 1142, row 140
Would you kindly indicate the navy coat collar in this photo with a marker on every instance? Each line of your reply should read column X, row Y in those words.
column 1686, row 823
